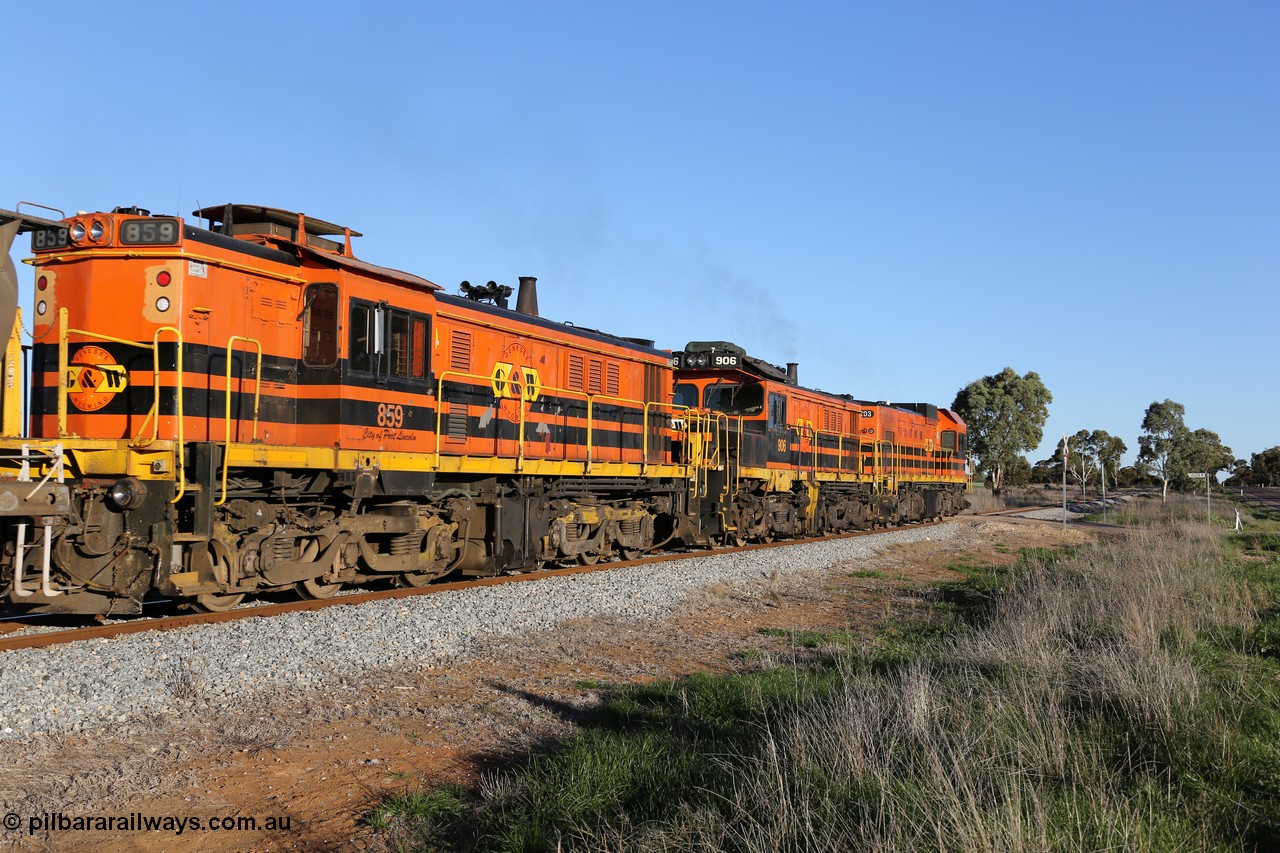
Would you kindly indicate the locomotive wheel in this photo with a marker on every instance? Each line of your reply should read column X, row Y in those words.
column 316, row 590
column 417, row 580
column 217, row 602
column 588, row 559
column 630, row 553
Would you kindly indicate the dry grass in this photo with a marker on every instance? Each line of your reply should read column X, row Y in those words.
column 981, row 499
column 1057, row 720
column 978, row 746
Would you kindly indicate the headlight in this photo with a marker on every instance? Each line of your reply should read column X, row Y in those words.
column 128, row 493
column 77, row 231
column 96, row 231
column 702, row 360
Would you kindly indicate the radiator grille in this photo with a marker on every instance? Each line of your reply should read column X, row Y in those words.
column 576, row 371
column 460, row 351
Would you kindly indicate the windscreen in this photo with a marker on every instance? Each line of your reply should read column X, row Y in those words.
column 735, row 398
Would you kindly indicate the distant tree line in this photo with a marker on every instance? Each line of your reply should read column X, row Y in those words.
column 1006, row 414
column 1260, row 469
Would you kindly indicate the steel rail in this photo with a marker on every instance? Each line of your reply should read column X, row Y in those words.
column 171, row 623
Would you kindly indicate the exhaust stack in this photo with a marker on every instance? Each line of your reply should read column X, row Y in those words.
column 793, row 373
column 527, row 298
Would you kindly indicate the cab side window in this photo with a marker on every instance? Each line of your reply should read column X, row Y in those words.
column 360, row 338
column 320, row 326
column 388, row 342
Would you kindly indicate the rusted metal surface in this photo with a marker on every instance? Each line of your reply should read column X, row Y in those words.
column 170, row 623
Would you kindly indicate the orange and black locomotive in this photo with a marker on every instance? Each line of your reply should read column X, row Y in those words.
column 792, row 461
column 236, row 403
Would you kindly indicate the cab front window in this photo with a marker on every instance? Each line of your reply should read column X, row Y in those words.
column 735, row 398
column 686, row 395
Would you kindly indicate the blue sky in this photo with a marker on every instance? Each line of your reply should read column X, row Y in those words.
column 902, row 197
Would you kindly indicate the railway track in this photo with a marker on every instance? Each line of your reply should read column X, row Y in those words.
column 253, row 611
column 1262, row 497
column 64, row 636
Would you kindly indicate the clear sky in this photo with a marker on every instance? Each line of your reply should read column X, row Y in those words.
column 902, row 197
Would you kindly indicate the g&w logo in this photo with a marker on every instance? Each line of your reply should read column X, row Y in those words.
column 511, row 382
column 93, row 378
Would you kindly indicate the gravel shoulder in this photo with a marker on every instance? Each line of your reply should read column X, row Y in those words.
column 315, row 716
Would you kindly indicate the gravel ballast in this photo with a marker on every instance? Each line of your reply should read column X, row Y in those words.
column 123, row 681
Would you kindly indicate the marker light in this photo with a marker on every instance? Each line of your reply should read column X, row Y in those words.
column 43, row 283
column 163, row 278
column 162, row 304
column 41, row 308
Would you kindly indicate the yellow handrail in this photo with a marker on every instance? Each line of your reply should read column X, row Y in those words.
column 257, row 393
column 153, row 416
column 587, row 396
column 64, row 333
column 179, row 450
column 62, row 371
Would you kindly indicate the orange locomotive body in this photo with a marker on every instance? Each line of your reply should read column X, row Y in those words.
column 236, row 403
column 221, row 410
column 799, row 461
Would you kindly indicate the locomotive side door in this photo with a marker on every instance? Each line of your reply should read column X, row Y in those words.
column 319, row 379
column 273, row 325
column 778, row 433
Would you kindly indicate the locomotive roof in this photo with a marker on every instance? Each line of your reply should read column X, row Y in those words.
column 358, row 265
column 222, row 215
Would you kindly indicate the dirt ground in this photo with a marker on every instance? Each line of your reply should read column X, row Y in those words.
column 322, row 759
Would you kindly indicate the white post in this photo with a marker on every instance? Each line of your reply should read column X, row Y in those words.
column 1065, row 450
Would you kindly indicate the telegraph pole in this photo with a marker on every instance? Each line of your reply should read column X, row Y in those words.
column 1102, row 466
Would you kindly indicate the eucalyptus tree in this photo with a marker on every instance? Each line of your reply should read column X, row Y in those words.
column 1163, row 442
column 1109, row 449
column 1206, row 452
column 1090, row 453
column 1170, row 450
column 1005, row 414
column 1265, row 467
